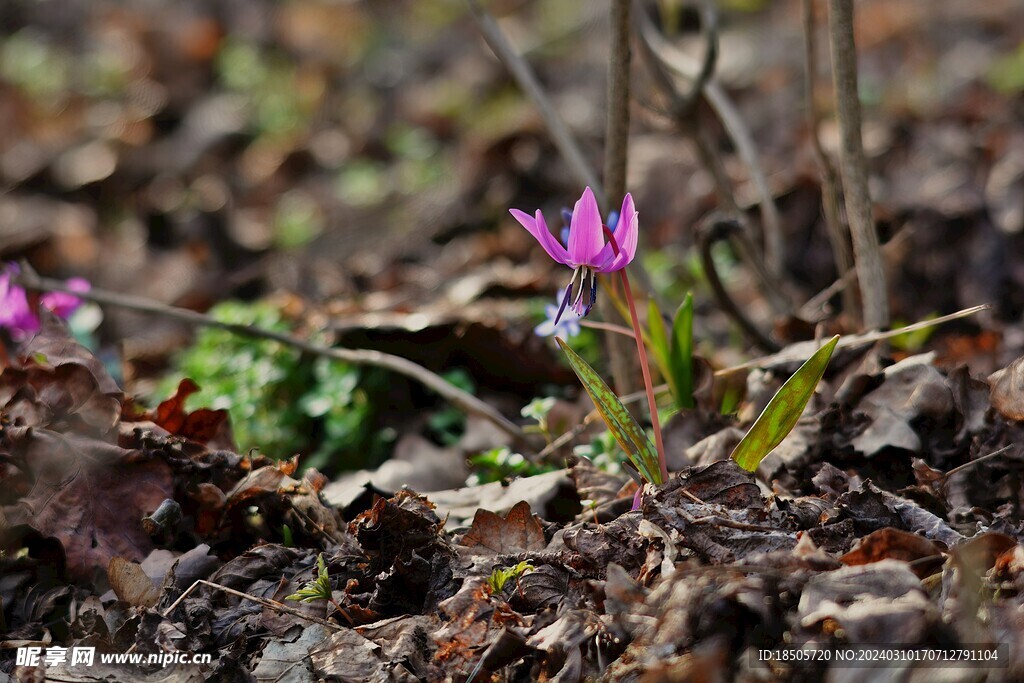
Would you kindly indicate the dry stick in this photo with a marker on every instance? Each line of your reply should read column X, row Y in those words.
column 829, row 180
column 870, row 273
column 460, row 399
column 621, row 358
column 733, row 125
column 523, row 75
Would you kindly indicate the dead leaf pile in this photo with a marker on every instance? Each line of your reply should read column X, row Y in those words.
column 902, row 524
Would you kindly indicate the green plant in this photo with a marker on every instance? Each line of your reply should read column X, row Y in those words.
column 783, row 411
column 502, row 463
column 674, row 356
column 500, row 576
column 912, row 341
column 280, row 401
column 317, row 589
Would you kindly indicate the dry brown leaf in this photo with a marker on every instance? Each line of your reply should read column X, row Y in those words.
column 90, row 495
column 1007, row 386
column 518, row 532
column 130, row 583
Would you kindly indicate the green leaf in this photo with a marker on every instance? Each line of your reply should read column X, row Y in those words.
column 681, row 359
column 622, row 425
column 783, row 411
column 657, row 339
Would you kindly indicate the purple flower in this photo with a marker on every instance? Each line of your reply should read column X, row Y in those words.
column 18, row 317
column 586, row 251
column 565, row 329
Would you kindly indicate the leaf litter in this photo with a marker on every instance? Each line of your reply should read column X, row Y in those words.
column 714, row 565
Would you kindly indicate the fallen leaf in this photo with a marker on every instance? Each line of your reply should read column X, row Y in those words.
column 1007, row 390
column 518, row 532
column 90, row 495
column 131, row 584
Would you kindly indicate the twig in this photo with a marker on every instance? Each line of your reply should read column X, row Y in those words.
column 608, row 327
column 521, row 72
column 734, row 127
column 972, row 463
column 871, row 274
column 716, row 229
column 852, row 341
column 272, row 604
column 829, row 180
column 810, row 310
column 616, row 154
column 457, row 397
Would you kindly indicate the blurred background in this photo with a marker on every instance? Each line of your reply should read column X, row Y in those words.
column 343, row 170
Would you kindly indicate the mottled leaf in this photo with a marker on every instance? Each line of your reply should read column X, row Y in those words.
column 620, row 422
column 783, row 411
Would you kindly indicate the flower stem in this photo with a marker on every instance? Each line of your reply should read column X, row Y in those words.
column 645, row 369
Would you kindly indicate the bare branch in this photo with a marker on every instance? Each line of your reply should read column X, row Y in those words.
column 870, row 273
column 829, row 181
column 463, row 400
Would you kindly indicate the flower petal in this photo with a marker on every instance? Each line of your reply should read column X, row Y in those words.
column 626, row 236
column 539, row 229
column 62, row 303
column 586, row 236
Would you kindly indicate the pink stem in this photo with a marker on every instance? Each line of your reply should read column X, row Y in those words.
column 648, row 384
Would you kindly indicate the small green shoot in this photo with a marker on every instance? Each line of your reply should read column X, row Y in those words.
column 500, row 576
column 538, row 410
column 674, row 356
column 621, row 423
column 318, row 589
column 912, row 341
column 681, row 358
column 501, row 463
column 783, row 411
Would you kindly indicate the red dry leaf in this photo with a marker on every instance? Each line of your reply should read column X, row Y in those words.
column 518, row 532
column 205, row 425
column 89, row 495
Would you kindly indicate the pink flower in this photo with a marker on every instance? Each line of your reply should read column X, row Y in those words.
column 18, row 317
column 587, row 253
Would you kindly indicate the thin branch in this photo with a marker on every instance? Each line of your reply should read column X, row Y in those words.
column 521, row 72
column 871, row 274
column 621, row 358
column 829, row 181
column 717, row 229
column 709, row 27
column 271, row 604
column 457, row 397
column 734, row 126
column 812, row 310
